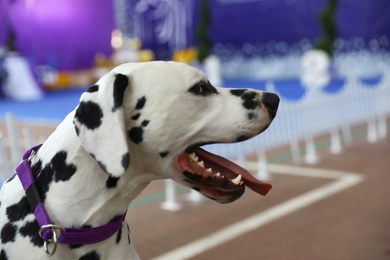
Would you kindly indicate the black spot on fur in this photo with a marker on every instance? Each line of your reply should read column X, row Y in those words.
column 251, row 116
column 36, row 168
column 136, row 134
column 93, row 255
column 61, row 170
column 30, row 229
column 111, row 182
column 90, row 114
column 237, row 92
column 57, row 169
column 119, row 236
column 250, row 100
column 3, row 255
column 164, row 154
column 93, row 88
column 136, row 116
column 120, row 84
column 77, row 130
column 242, row 138
column 8, row 233
column 43, row 177
column 126, row 161
column 140, row 103
column 19, row 210
column 11, row 178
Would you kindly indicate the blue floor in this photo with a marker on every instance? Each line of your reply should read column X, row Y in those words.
column 54, row 106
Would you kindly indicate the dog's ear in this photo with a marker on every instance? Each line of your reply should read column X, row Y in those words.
column 99, row 123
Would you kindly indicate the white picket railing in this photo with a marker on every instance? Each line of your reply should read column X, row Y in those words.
column 13, row 142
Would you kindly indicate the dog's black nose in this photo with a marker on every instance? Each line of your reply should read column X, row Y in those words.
column 271, row 101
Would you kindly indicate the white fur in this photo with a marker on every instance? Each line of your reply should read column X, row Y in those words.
column 176, row 118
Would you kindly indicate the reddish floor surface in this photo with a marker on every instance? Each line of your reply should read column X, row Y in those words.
column 352, row 224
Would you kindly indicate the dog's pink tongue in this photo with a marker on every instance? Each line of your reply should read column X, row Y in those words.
column 254, row 184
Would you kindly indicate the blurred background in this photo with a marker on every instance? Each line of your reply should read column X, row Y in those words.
column 328, row 60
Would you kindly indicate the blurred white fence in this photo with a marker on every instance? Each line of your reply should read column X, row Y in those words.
column 317, row 113
column 14, row 140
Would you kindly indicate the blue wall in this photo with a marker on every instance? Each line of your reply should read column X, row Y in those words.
column 239, row 22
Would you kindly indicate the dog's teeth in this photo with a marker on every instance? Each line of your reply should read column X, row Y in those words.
column 201, row 163
column 209, row 170
column 218, row 174
column 237, row 180
column 193, row 157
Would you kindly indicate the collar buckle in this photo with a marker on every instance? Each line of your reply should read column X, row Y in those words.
column 54, row 239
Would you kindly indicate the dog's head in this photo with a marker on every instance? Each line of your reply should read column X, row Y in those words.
column 151, row 119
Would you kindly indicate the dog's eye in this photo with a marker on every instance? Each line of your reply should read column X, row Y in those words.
column 203, row 89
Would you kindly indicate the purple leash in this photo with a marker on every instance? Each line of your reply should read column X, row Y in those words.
column 50, row 232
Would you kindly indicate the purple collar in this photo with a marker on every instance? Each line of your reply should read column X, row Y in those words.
column 52, row 233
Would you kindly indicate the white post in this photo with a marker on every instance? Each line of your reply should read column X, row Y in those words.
column 295, row 154
column 311, row 156
column 28, row 138
column 170, row 202
column 262, row 172
column 372, row 136
column 13, row 138
column 335, row 141
column 241, row 161
column 347, row 135
column 239, row 153
column 382, row 127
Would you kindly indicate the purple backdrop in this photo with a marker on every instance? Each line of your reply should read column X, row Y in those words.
column 68, row 33
column 64, row 33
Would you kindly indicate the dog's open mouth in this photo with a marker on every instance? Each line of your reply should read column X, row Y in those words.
column 217, row 177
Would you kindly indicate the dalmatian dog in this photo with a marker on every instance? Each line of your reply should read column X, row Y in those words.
column 140, row 122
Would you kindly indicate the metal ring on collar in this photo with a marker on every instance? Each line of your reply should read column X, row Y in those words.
column 53, row 240
column 33, row 152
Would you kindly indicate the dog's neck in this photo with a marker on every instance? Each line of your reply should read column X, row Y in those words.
column 77, row 191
